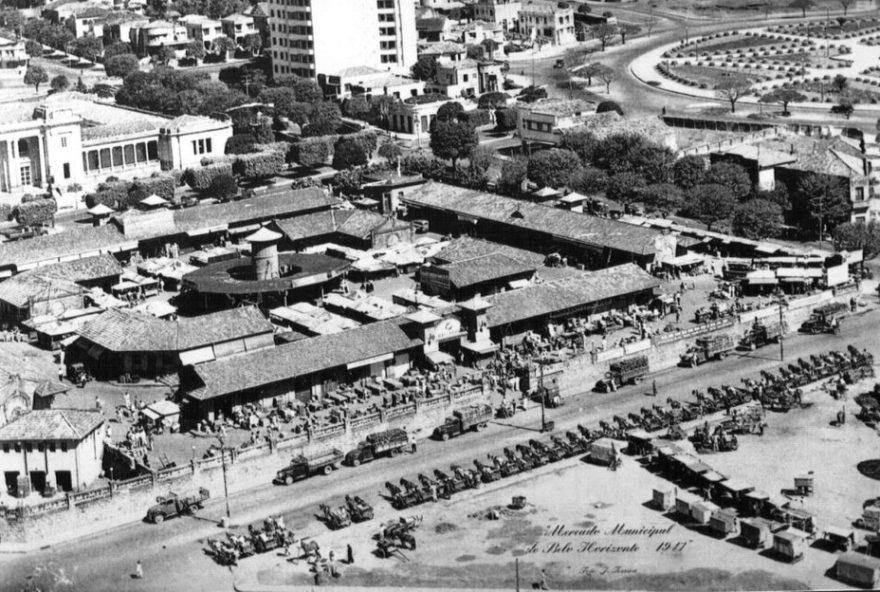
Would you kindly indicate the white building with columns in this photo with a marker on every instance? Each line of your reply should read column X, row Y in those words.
column 70, row 138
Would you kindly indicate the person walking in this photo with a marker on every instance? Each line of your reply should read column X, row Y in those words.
column 350, row 553
column 139, row 571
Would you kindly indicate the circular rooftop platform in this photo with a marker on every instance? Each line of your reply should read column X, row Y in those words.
column 235, row 276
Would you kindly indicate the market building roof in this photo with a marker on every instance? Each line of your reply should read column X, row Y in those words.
column 124, row 330
column 22, row 289
column 569, row 293
column 356, row 223
column 80, row 270
column 76, row 241
column 487, row 268
column 466, row 247
column 52, row 424
column 299, row 358
column 561, row 224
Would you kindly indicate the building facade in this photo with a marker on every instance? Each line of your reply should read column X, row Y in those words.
column 71, row 138
column 312, row 37
column 500, row 12
column 548, row 22
column 61, row 447
column 13, row 59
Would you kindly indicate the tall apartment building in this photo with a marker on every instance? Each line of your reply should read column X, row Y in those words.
column 311, row 37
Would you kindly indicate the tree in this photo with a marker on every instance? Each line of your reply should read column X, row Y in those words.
column 452, row 140
column 688, row 171
column 217, row 9
column 481, row 158
column 625, row 187
column 757, row 219
column 223, row 187
column 380, row 109
column 606, row 106
column 607, row 76
column 783, row 96
column 195, row 49
column 587, row 180
column 803, row 6
column 121, row 65
column 80, row 85
column 492, row 100
column 347, row 154
column 119, row 48
column 253, row 43
column 826, row 199
column 223, row 45
column 732, row 89
column 449, row 111
column 591, row 71
column 604, row 32
column 730, row 175
column 89, row 48
column 628, row 30
column 845, row 4
column 851, row 236
column 389, row 150
column 35, row 75
column 650, row 22
column 839, row 83
column 553, row 168
column 710, row 203
column 325, row 119
column 425, row 68
column 582, row 142
column 630, row 152
column 665, row 198
column 355, row 106
column 33, row 48
column 59, row 83
column 241, row 144
column 844, row 107
column 513, row 172
column 165, row 55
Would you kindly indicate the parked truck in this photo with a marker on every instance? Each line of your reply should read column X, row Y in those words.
column 762, row 333
column 171, row 505
column 388, row 443
column 474, row 418
column 629, row 370
column 708, row 348
column 825, row 318
column 302, row 467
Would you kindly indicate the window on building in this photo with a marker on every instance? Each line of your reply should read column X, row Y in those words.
column 26, row 177
column 128, row 152
column 41, row 447
column 6, row 448
column 105, row 158
column 117, row 156
column 52, row 447
column 29, row 447
column 208, row 145
column 152, row 150
column 94, row 164
column 23, row 147
column 140, row 152
column 18, row 446
column 66, row 169
column 64, row 447
column 64, row 141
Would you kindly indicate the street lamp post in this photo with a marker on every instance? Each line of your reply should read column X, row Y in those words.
column 781, row 331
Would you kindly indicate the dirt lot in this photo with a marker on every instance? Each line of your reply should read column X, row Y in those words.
column 572, row 524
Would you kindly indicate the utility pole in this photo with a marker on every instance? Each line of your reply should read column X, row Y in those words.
column 543, row 395
column 517, row 574
column 781, row 333
column 225, row 484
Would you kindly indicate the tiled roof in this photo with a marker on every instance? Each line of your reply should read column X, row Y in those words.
column 515, row 213
column 300, row 358
column 124, row 330
column 354, row 71
column 52, row 424
column 356, row 223
column 818, row 155
column 443, row 47
column 431, row 24
column 564, row 294
column 91, row 12
column 493, row 266
column 467, row 247
column 18, row 290
column 62, row 244
column 276, row 205
column 80, row 270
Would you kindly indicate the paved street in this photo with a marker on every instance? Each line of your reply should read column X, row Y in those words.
column 172, row 553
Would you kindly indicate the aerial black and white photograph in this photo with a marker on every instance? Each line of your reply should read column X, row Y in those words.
column 439, row 295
